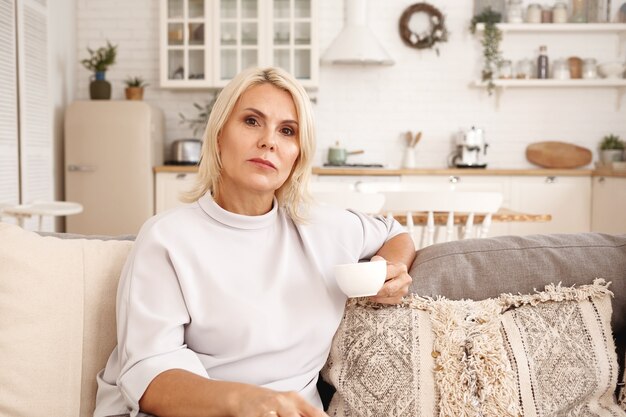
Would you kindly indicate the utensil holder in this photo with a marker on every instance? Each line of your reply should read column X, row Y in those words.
column 409, row 158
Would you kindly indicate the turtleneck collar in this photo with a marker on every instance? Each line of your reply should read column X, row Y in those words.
column 235, row 220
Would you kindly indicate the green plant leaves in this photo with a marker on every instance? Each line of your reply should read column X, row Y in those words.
column 100, row 59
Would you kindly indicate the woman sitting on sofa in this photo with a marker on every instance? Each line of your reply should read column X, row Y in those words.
column 227, row 306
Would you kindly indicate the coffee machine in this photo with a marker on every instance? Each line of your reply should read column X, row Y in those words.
column 471, row 150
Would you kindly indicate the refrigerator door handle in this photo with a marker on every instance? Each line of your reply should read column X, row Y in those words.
column 81, row 168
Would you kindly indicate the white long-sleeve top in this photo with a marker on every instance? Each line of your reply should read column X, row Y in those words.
column 230, row 297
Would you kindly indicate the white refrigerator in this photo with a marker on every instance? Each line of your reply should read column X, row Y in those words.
column 111, row 148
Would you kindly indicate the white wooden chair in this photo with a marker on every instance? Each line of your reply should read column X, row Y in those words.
column 370, row 203
column 325, row 186
column 451, row 202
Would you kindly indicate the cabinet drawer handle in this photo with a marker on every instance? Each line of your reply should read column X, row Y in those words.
column 81, row 168
column 181, row 176
column 550, row 180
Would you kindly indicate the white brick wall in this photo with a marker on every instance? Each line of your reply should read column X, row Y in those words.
column 370, row 107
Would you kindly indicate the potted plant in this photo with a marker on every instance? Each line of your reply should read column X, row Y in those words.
column 134, row 88
column 491, row 44
column 198, row 123
column 98, row 62
column 611, row 149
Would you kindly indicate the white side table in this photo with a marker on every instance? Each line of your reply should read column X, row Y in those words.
column 41, row 208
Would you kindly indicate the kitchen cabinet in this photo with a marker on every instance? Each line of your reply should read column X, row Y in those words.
column 205, row 43
column 567, row 199
column 168, row 189
column 526, row 30
column 493, row 183
column 608, row 211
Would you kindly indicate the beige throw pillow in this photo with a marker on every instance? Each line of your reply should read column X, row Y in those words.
column 544, row 354
column 561, row 346
column 57, row 320
column 621, row 399
column 381, row 363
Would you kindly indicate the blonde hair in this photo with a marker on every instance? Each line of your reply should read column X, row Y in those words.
column 293, row 195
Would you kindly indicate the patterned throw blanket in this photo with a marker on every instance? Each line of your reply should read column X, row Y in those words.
column 544, row 354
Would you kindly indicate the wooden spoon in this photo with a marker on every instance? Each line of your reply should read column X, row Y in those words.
column 418, row 136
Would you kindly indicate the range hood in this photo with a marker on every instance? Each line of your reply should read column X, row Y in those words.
column 356, row 44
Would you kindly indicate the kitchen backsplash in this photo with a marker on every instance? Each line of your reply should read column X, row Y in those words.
column 371, row 108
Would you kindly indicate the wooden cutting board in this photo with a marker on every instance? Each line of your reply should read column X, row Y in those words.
column 558, row 155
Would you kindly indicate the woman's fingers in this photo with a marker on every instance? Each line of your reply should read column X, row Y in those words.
column 307, row 410
column 279, row 404
column 396, row 286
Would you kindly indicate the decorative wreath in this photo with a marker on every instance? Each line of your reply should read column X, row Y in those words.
column 437, row 31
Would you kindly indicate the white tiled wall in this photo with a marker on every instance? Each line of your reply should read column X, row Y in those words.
column 370, row 107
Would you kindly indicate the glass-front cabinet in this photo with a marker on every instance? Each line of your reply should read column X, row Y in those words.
column 292, row 37
column 205, row 43
column 185, row 52
column 239, row 37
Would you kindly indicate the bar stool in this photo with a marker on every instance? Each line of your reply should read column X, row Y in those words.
column 40, row 208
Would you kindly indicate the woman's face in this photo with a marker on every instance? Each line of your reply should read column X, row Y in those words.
column 259, row 142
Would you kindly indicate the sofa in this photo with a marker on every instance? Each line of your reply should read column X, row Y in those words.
column 428, row 356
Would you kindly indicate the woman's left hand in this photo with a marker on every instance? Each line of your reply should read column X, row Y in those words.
column 396, row 284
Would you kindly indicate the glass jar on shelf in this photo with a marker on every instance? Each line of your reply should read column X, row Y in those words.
column 560, row 70
column 546, row 14
column 597, row 11
column 524, row 69
column 505, row 69
column 590, row 69
column 559, row 13
column 533, row 13
column 579, row 11
column 514, row 12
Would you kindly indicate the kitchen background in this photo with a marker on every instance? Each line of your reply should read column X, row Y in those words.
column 370, row 107
column 363, row 107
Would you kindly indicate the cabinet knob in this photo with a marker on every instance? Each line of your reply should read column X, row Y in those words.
column 550, row 180
column 181, row 176
column 601, row 180
column 453, row 179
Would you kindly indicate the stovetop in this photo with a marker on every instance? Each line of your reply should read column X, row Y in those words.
column 354, row 165
column 180, row 163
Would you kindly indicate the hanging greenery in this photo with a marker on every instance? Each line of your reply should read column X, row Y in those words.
column 491, row 44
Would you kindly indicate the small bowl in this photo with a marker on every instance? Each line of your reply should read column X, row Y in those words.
column 612, row 69
column 361, row 279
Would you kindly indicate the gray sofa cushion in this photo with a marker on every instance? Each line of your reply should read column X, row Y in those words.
column 483, row 268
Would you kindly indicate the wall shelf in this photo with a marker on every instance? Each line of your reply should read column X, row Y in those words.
column 557, row 27
column 565, row 29
column 604, row 82
column 501, row 85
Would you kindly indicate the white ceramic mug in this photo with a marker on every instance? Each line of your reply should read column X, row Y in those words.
column 361, row 279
